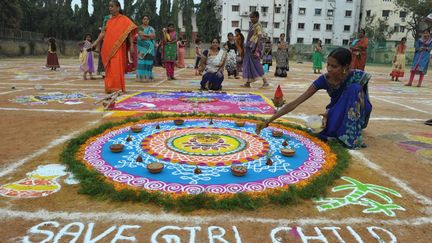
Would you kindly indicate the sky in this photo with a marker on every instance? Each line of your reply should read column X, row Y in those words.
column 121, row 2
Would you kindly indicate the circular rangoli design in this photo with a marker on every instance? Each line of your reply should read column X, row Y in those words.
column 211, row 148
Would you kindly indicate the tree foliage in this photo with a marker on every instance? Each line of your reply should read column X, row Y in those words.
column 208, row 21
column 10, row 14
column 418, row 9
column 187, row 7
column 377, row 29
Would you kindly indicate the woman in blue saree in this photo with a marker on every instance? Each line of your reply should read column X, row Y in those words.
column 146, row 47
column 420, row 63
column 349, row 109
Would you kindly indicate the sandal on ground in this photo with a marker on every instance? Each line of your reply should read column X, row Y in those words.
column 265, row 84
column 246, row 85
column 428, row 122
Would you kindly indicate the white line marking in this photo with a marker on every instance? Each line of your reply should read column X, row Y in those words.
column 406, row 106
column 12, row 167
column 14, row 91
column 168, row 217
column 422, row 199
column 50, row 110
column 157, row 84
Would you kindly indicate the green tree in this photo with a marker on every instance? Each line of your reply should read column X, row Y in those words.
column 175, row 11
column 377, row 29
column 417, row 11
column 187, row 7
column 208, row 21
column 164, row 13
column 11, row 14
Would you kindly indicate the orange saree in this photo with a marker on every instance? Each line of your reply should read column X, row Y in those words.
column 114, row 51
column 359, row 54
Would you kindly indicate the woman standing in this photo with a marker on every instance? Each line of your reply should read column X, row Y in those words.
column 252, row 68
column 169, row 51
column 213, row 63
column 239, row 40
column 118, row 30
column 358, row 51
column 282, row 61
column 420, row 64
column 317, row 57
column 181, row 50
column 399, row 61
column 146, row 48
column 86, row 57
column 52, row 59
column 349, row 109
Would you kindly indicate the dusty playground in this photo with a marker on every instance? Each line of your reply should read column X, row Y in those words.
column 34, row 133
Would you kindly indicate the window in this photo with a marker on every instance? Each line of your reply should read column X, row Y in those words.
column 300, row 40
column 235, row 24
column 368, row 13
column 349, row 1
column 276, row 25
column 252, row 8
column 317, row 11
column 264, row 9
column 327, row 41
column 347, row 27
column 277, row 9
column 330, row 12
column 264, row 24
column 345, row 42
column 348, row 13
column 235, row 8
column 302, row 11
column 386, row 13
column 402, row 29
column 275, row 40
column 317, row 26
column 329, row 27
column 396, row 28
column 315, row 40
column 301, row 26
column 402, row 14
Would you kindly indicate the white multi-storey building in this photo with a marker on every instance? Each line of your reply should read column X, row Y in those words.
column 387, row 10
column 332, row 21
column 273, row 16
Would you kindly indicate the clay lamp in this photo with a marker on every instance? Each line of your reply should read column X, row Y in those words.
column 287, row 152
column 155, row 167
column 277, row 134
column 240, row 123
column 139, row 159
column 197, row 170
column 178, row 122
column 285, row 143
column 116, row 148
column 136, row 128
column 211, row 121
column 239, row 170
column 157, row 126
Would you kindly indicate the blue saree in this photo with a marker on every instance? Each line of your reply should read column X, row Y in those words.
column 145, row 54
column 349, row 109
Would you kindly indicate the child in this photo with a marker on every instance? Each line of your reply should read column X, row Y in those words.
column 86, row 57
column 267, row 58
column 231, row 48
column 52, row 59
column 198, row 54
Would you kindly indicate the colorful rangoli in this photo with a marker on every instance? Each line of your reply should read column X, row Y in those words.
column 213, row 146
column 196, row 102
column 45, row 98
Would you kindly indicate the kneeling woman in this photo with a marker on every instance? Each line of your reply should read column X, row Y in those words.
column 213, row 63
column 349, row 109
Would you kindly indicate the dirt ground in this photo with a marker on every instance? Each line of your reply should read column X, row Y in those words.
column 398, row 156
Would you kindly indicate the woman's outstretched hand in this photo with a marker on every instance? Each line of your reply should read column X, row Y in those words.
column 260, row 126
